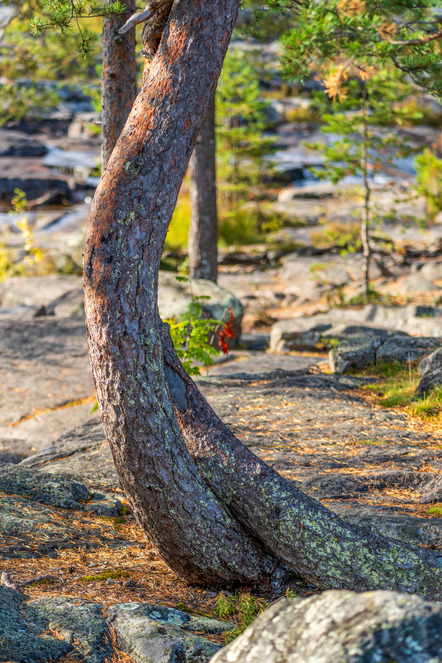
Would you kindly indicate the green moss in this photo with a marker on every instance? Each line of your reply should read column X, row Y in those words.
column 43, row 581
column 184, row 608
column 104, row 575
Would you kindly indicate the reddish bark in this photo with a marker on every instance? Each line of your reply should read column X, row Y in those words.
column 127, row 226
column 206, row 516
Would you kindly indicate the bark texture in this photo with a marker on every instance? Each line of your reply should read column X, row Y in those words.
column 209, row 515
column 342, row 627
column 128, row 222
column 119, row 79
column 203, row 233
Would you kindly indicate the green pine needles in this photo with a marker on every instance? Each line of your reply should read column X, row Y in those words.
column 59, row 15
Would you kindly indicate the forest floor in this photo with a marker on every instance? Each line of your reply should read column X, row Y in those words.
column 327, row 432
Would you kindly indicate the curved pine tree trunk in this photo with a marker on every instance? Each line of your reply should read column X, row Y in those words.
column 128, row 222
column 205, row 515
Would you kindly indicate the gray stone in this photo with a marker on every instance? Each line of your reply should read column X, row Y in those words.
column 68, row 305
column 37, row 291
column 353, row 353
column 174, row 297
column 173, row 617
column 83, row 454
column 331, row 486
column 44, row 364
column 413, row 319
column 21, row 639
column 29, row 530
column 430, row 369
column 37, row 432
column 42, row 487
column 299, row 333
column 405, row 349
column 32, row 177
column 418, row 283
column 153, row 636
column 374, row 627
column 63, row 296
column 432, row 492
column 400, row 526
column 432, row 271
column 79, row 622
column 104, row 505
column 18, row 144
column 18, row 312
column 317, row 191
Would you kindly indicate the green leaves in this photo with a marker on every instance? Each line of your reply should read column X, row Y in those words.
column 193, row 335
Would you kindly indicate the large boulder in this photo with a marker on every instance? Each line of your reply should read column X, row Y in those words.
column 48, row 628
column 174, row 296
column 353, row 353
column 78, row 622
column 374, row 627
column 405, row 349
column 430, row 370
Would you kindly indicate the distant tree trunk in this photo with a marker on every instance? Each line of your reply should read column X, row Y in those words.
column 213, row 513
column 119, row 79
column 203, row 234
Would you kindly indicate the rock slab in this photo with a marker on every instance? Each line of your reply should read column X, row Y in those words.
column 430, row 369
column 47, row 628
column 374, row 627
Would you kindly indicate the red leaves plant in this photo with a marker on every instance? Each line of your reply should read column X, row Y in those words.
column 225, row 333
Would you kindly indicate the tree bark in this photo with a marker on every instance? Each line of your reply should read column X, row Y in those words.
column 128, row 222
column 203, row 233
column 208, row 516
column 312, row 541
column 118, row 80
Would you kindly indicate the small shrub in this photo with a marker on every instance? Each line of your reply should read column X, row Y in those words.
column 192, row 336
column 344, row 235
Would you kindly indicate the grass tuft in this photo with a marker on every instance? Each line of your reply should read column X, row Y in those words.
column 396, row 388
column 435, row 510
column 243, row 608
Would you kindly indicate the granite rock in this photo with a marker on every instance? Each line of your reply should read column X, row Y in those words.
column 342, row 626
